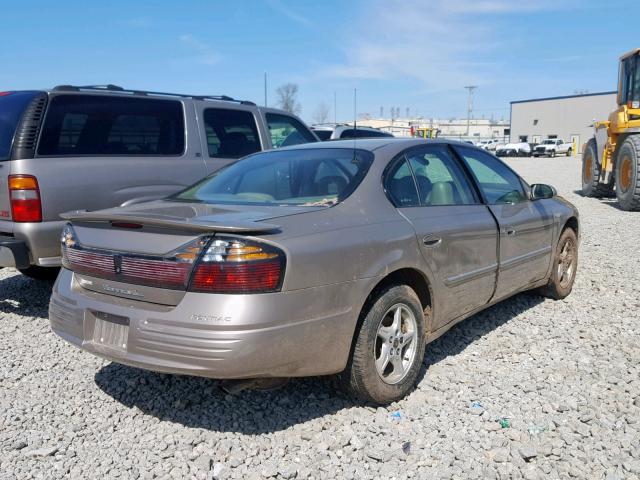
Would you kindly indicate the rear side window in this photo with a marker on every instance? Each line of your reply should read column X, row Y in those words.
column 112, row 126
column 286, row 131
column 231, row 133
column 401, row 186
column 12, row 106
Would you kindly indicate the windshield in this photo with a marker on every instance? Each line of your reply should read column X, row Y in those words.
column 305, row 177
column 12, row 105
column 549, row 142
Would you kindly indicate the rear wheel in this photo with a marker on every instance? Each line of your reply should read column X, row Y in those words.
column 40, row 273
column 569, row 152
column 389, row 348
column 591, row 186
column 565, row 265
column 628, row 173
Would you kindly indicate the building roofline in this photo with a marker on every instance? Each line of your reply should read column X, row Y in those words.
column 563, row 97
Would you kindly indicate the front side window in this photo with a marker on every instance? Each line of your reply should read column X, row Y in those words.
column 440, row 179
column 307, row 177
column 286, row 131
column 498, row 183
column 110, row 126
column 231, row 133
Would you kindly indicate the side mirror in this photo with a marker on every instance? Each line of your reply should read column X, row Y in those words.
column 540, row 191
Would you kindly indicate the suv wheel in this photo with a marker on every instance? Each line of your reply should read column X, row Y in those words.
column 389, row 348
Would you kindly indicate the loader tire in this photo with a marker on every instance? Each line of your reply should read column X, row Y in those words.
column 628, row 173
column 591, row 173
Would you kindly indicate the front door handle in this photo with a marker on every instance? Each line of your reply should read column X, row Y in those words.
column 510, row 231
column 431, row 241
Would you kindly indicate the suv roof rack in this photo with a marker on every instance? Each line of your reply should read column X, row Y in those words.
column 118, row 89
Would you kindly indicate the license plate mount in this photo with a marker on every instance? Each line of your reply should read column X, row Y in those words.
column 110, row 331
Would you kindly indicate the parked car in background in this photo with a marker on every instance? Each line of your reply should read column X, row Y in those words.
column 552, row 147
column 490, row 144
column 337, row 132
column 521, row 149
column 311, row 260
column 89, row 148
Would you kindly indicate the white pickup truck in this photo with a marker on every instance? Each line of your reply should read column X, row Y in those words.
column 552, row 147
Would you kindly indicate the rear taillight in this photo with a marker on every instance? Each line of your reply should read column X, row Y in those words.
column 25, row 198
column 233, row 265
column 209, row 265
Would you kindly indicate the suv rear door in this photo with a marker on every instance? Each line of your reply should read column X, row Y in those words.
column 100, row 151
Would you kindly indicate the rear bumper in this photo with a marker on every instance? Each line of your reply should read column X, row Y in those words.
column 14, row 253
column 301, row 333
column 41, row 240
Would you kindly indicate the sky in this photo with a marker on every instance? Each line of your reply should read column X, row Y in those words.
column 404, row 54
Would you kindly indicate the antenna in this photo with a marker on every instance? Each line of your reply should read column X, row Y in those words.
column 355, row 126
column 335, row 107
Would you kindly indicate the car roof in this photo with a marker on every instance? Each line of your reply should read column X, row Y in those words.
column 373, row 144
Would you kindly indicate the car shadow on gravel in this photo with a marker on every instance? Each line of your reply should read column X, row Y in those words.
column 20, row 295
column 201, row 403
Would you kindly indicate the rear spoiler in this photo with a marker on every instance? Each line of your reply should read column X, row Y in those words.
column 184, row 224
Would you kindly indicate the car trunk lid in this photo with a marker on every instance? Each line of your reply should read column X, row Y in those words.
column 137, row 252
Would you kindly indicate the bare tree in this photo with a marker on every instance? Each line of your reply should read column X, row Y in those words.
column 287, row 95
column 321, row 114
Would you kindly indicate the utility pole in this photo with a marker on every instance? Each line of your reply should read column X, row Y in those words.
column 470, row 88
column 265, row 89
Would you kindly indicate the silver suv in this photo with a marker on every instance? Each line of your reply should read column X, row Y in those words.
column 89, row 148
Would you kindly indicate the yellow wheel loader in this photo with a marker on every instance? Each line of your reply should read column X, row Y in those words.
column 611, row 159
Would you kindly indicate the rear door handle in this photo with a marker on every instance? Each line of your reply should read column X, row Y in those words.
column 431, row 241
column 510, row 231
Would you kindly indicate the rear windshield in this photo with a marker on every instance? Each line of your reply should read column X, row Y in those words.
column 307, row 177
column 323, row 134
column 112, row 126
column 12, row 106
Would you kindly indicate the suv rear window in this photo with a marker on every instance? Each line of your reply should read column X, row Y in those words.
column 231, row 133
column 12, row 106
column 112, row 126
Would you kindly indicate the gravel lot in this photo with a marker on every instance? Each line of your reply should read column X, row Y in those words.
column 530, row 388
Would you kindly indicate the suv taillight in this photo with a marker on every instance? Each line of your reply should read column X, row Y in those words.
column 234, row 265
column 25, row 198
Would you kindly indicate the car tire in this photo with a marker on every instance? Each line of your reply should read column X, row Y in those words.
column 628, row 173
column 40, row 273
column 393, row 324
column 591, row 186
column 565, row 265
column 569, row 152
column 552, row 153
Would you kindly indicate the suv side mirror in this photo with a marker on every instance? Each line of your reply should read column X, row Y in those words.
column 540, row 191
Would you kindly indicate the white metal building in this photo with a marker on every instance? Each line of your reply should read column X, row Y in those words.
column 569, row 117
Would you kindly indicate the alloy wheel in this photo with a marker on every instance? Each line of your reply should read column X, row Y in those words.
column 396, row 344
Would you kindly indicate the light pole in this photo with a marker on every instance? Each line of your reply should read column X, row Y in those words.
column 470, row 88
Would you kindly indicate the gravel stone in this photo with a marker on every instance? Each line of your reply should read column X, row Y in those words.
column 565, row 373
